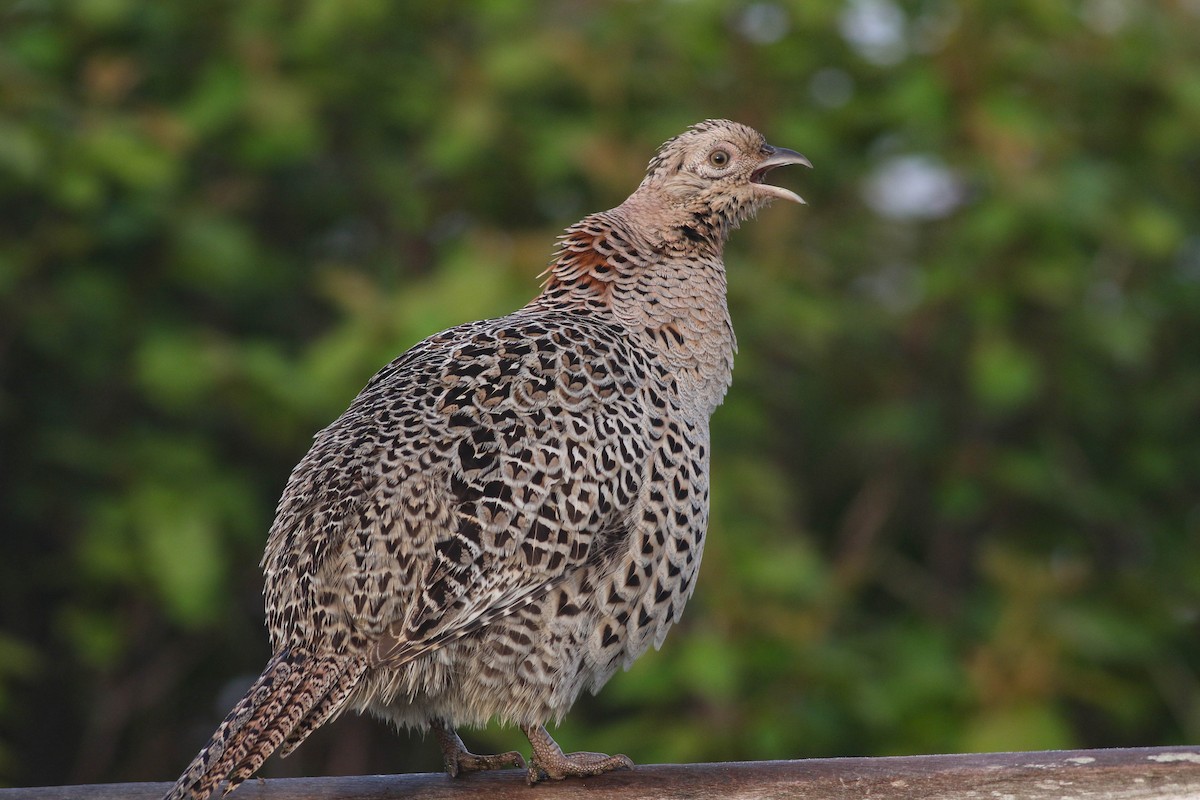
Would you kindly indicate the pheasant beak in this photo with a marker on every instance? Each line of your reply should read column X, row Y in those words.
column 777, row 157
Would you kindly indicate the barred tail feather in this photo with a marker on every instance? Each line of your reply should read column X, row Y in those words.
column 292, row 683
column 330, row 706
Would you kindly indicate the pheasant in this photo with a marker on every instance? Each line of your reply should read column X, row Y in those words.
column 514, row 508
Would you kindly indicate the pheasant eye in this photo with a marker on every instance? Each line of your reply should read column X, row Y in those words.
column 718, row 158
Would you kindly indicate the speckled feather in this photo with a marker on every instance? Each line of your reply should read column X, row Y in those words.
column 514, row 508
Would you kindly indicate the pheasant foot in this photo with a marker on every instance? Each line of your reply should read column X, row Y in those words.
column 549, row 761
column 460, row 760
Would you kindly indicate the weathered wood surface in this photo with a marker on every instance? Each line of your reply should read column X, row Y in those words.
column 1159, row 773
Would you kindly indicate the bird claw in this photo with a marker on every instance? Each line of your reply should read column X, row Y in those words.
column 460, row 760
column 550, row 762
column 466, row 761
column 558, row 766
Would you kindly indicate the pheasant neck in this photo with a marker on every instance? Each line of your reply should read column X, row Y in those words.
column 666, row 286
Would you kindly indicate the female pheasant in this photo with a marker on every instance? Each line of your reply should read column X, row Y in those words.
column 514, row 508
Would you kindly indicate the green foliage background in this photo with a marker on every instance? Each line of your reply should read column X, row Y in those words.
column 957, row 503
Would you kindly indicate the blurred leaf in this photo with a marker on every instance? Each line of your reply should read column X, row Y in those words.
column 1003, row 375
column 1022, row 728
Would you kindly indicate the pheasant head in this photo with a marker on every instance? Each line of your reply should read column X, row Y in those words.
column 699, row 186
column 712, row 176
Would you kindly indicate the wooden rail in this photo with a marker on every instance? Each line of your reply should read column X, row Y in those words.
column 1155, row 773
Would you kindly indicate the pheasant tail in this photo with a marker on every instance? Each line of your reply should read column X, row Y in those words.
column 290, row 689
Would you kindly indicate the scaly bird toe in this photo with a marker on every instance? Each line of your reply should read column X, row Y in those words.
column 575, row 765
column 470, row 762
column 550, row 762
column 459, row 760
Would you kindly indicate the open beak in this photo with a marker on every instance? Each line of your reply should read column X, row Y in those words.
column 778, row 157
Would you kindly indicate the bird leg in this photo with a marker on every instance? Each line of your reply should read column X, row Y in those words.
column 549, row 761
column 459, row 759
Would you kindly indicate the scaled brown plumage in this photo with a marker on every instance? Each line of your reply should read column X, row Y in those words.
column 516, row 507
